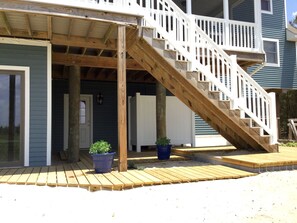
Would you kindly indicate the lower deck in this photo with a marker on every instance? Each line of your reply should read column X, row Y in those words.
column 253, row 161
column 146, row 170
column 81, row 174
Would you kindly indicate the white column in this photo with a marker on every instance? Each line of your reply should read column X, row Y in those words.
column 189, row 7
column 258, row 22
column 226, row 18
column 273, row 120
column 226, row 9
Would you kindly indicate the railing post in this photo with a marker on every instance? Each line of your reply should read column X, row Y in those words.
column 273, row 120
column 227, row 23
column 234, row 84
column 192, row 44
column 258, row 23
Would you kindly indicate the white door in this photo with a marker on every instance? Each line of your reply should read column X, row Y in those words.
column 85, row 120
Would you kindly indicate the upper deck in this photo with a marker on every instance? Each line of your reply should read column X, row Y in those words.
column 88, row 28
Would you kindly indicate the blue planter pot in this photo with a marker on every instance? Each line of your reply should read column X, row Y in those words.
column 164, row 152
column 102, row 163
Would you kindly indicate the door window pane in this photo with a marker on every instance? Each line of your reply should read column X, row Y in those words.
column 82, row 112
column 10, row 117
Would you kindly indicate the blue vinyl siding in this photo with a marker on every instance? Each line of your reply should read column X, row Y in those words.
column 202, row 128
column 274, row 27
column 34, row 57
column 105, row 122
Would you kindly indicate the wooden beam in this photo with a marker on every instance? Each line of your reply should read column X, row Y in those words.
column 28, row 23
column 89, row 31
column 6, row 23
column 92, row 61
column 66, row 11
column 122, row 108
column 70, row 26
column 83, row 42
column 49, row 27
column 107, row 35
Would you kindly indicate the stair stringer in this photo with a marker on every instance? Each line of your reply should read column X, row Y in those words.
column 175, row 80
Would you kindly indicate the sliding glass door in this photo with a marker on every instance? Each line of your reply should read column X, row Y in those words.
column 11, row 127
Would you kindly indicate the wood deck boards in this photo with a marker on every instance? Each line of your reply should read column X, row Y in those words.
column 285, row 157
column 81, row 175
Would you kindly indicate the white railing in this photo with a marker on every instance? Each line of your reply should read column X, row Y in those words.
column 211, row 61
column 230, row 34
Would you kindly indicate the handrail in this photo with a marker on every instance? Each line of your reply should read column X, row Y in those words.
column 230, row 34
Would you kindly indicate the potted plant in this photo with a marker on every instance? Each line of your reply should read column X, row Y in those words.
column 163, row 148
column 102, row 156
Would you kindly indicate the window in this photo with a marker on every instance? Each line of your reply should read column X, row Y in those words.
column 271, row 48
column 11, row 127
column 266, row 6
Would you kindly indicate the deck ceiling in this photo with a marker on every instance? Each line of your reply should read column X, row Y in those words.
column 89, row 43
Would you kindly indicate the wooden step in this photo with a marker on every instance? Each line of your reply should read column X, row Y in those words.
column 203, row 85
column 214, row 95
column 256, row 130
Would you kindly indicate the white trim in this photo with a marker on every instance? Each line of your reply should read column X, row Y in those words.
column 25, row 72
column 277, row 49
column 286, row 15
column 271, row 8
column 42, row 43
column 27, row 42
column 49, row 106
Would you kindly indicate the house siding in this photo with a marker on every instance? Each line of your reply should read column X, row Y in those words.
column 202, row 128
column 274, row 27
column 34, row 57
column 105, row 122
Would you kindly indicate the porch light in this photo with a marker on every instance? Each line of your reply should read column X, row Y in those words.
column 99, row 98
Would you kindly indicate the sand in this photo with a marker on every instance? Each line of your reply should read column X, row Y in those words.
column 268, row 197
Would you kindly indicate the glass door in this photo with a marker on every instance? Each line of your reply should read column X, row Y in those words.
column 11, row 152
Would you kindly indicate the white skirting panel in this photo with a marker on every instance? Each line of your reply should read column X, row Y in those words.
column 142, row 121
column 210, row 140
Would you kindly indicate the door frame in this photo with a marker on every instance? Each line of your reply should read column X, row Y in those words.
column 24, row 72
column 65, row 117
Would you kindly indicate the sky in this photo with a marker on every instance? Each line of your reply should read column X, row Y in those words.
column 291, row 8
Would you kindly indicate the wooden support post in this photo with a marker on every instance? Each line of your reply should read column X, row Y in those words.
column 74, row 105
column 122, row 107
column 160, row 110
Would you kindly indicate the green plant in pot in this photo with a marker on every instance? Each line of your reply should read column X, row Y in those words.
column 102, row 156
column 163, row 148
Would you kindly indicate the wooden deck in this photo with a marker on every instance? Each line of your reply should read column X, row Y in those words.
column 252, row 161
column 82, row 175
column 286, row 158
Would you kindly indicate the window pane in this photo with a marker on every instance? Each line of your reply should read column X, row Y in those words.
column 10, row 113
column 270, row 49
column 82, row 112
column 265, row 5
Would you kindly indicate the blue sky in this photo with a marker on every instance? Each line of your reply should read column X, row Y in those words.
column 291, row 8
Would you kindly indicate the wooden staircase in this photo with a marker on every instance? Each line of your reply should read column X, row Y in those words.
column 161, row 63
